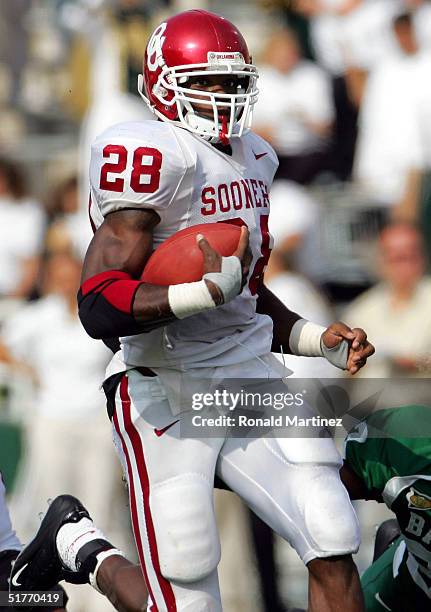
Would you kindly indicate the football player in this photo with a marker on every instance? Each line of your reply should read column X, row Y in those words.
column 388, row 459
column 10, row 547
column 199, row 163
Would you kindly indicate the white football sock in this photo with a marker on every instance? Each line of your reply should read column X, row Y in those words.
column 71, row 537
column 100, row 557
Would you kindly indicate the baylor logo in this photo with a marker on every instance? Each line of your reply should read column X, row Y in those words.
column 418, row 501
column 419, row 528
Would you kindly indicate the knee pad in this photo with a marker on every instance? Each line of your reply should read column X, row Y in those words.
column 185, row 527
column 202, row 602
column 329, row 517
column 315, row 498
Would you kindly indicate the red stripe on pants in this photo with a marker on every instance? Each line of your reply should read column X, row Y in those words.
column 135, row 439
column 135, row 521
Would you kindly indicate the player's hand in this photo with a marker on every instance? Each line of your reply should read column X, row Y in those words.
column 213, row 261
column 359, row 348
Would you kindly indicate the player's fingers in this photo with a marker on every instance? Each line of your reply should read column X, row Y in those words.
column 212, row 259
column 360, row 337
column 366, row 351
column 205, row 247
column 243, row 243
column 362, row 353
column 356, row 366
column 342, row 330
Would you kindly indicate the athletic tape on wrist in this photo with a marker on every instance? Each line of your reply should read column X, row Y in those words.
column 304, row 339
column 338, row 355
column 229, row 280
column 187, row 299
column 92, row 576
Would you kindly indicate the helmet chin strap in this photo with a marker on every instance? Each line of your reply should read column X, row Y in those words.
column 205, row 126
column 223, row 132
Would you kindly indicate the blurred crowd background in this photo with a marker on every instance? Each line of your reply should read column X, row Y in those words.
column 345, row 101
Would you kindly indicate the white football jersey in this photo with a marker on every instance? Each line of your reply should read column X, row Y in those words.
column 187, row 181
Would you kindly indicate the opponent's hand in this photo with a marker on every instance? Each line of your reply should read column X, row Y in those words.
column 213, row 262
column 359, row 349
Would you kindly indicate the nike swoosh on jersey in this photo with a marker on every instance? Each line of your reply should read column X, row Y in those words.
column 160, row 432
column 382, row 603
column 259, row 155
column 17, row 575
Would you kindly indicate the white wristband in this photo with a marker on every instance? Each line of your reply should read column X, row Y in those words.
column 187, row 299
column 305, row 338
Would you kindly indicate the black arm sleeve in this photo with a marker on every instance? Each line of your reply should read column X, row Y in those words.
column 105, row 304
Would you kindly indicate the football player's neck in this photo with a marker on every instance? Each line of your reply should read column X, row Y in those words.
column 227, row 149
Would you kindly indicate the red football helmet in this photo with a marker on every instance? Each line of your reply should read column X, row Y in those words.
column 192, row 44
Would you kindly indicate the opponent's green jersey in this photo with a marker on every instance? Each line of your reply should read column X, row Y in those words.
column 391, row 453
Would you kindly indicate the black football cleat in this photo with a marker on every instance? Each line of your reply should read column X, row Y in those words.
column 38, row 567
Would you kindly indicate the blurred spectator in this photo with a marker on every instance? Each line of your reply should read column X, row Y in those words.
column 69, row 447
column 422, row 21
column 13, row 44
column 294, row 223
column 294, row 111
column 348, row 37
column 395, row 137
column 22, row 225
column 133, row 25
column 8, row 539
column 347, row 33
column 68, row 409
column 70, row 229
column 397, row 312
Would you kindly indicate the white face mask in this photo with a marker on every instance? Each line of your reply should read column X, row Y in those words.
column 239, row 105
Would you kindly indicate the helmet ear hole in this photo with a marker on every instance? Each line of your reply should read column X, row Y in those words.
column 159, row 90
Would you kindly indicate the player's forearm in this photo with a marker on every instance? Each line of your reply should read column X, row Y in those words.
column 292, row 334
column 151, row 304
column 113, row 304
column 283, row 319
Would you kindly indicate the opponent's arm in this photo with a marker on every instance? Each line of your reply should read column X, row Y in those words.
column 345, row 348
column 355, row 486
column 114, row 302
